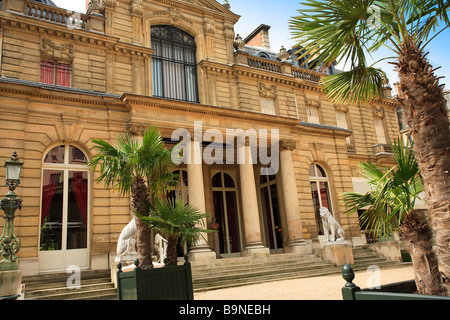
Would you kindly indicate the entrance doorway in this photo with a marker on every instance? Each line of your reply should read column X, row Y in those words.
column 227, row 213
column 64, row 210
column 271, row 213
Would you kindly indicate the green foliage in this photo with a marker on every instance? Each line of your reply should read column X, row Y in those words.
column 334, row 31
column 174, row 218
column 393, row 193
column 127, row 159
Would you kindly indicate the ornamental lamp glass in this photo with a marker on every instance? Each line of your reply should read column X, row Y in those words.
column 13, row 171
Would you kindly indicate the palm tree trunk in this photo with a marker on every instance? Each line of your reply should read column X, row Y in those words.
column 417, row 234
column 141, row 204
column 425, row 112
column 172, row 257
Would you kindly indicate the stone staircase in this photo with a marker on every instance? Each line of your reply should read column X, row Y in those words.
column 222, row 273
column 234, row 272
column 95, row 285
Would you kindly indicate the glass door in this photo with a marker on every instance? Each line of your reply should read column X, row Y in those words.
column 271, row 213
column 64, row 215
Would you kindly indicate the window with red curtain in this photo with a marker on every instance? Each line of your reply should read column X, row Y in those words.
column 55, row 73
column 47, row 72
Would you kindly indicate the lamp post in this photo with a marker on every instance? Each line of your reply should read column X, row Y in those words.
column 9, row 243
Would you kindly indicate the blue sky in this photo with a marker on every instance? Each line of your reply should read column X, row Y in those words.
column 277, row 14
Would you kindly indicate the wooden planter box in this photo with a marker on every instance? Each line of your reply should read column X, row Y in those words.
column 395, row 291
column 168, row 283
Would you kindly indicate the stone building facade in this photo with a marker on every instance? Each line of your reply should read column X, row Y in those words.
column 68, row 78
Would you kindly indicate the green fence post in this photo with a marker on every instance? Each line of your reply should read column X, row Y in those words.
column 348, row 292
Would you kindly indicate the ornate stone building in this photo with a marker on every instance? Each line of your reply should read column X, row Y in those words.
column 67, row 78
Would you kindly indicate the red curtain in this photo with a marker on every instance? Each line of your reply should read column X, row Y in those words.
column 47, row 68
column 58, row 74
column 79, row 185
column 63, row 74
column 48, row 191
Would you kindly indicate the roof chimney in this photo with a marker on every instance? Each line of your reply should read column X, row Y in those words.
column 259, row 37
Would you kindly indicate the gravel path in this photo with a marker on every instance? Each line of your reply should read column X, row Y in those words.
column 317, row 288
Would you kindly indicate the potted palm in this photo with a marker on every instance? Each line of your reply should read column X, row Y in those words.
column 142, row 169
column 178, row 222
column 389, row 208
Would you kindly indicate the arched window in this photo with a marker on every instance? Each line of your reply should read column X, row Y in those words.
column 174, row 66
column 320, row 191
column 64, row 208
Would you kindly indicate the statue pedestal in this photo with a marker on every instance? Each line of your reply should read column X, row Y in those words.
column 338, row 252
column 10, row 282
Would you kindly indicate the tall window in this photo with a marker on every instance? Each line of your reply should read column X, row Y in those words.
column 313, row 114
column 64, row 208
column 174, row 68
column 55, row 73
column 379, row 129
column 341, row 120
column 320, row 191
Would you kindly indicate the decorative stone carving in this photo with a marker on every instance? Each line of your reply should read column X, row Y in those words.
column 239, row 43
column 137, row 8
column 229, row 32
column 283, row 55
column 209, row 28
column 96, row 7
column 287, row 145
column 341, row 108
column 226, row 4
column 174, row 14
column 54, row 51
column 331, row 228
column 378, row 112
column 136, row 130
column 267, row 91
column 312, row 103
column 126, row 244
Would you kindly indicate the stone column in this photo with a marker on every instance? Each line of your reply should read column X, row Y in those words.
column 253, row 239
column 296, row 242
column 201, row 250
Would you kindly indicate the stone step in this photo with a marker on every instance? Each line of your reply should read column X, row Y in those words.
column 37, row 293
column 241, row 271
column 94, row 285
column 257, row 264
column 94, row 294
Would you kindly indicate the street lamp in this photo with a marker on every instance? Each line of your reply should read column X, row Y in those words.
column 9, row 243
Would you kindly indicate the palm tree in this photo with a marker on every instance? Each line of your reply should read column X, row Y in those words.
column 346, row 31
column 389, row 207
column 139, row 169
column 175, row 221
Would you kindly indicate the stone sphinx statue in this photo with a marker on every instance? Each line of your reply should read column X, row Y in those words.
column 126, row 244
column 331, row 228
